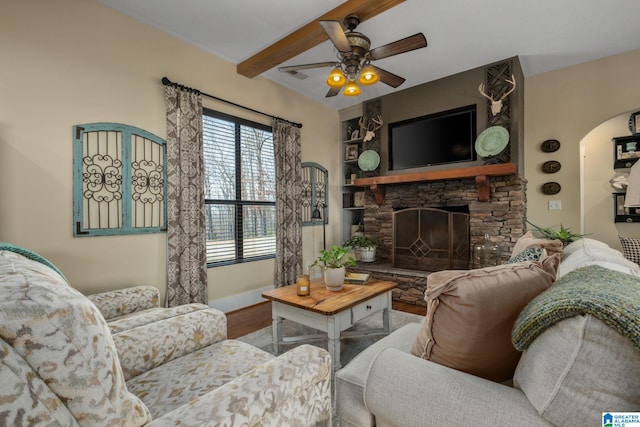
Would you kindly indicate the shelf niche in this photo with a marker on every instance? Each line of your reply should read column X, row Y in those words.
column 481, row 173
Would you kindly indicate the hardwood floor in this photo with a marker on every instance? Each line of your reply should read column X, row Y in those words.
column 248, row 319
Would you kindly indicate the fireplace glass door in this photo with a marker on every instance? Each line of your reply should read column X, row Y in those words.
column 430, row 239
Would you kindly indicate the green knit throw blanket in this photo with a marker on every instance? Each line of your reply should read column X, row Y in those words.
column 608, row 295
column 4, row 246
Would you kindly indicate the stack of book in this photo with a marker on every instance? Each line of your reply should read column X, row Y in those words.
column 357, row 278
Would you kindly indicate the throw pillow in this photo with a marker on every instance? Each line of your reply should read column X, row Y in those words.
column 630, row 248
column 470, row 314
column 529, row 240
column 586, row 252
column 583, row 244
column 530, row 254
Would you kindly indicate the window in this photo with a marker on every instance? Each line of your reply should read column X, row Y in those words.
column 119, row 182
column 240, row 189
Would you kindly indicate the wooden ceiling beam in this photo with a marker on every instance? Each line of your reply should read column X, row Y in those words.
column 310, row 35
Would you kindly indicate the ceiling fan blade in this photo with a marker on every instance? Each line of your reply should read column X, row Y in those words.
column 307, row 66
column 333, row 92
column 416, row 41
column 389, row 78
column 336, row 35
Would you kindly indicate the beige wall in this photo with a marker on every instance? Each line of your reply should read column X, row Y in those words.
column 71, row 62
column 567, row 105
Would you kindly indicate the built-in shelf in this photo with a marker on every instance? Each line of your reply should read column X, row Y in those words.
column 352, row 216
column 481, row 173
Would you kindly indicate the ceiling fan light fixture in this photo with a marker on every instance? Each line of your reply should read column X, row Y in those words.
column 368, row 75
column 351, row 89
column 336, row 78
column 354, row 55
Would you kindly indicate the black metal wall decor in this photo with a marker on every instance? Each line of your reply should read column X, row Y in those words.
column 497, row 77
column 314, row 192
column 372, row 109
column 119, row 180
column 497, row 83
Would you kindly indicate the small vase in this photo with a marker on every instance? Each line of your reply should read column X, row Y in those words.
column 334, row 278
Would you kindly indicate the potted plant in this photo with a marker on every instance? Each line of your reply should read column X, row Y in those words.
column 565, row 235
column 334, row 261
column 364, row 247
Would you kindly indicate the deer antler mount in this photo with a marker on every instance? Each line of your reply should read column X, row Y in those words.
column 369, row 126
column 496, row 105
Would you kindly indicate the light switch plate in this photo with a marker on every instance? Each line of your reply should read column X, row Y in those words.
column 555, row 205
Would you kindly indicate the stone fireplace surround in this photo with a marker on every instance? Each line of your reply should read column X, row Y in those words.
column 502, row 217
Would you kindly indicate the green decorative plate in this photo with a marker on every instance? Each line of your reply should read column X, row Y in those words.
column 368, row 160
column 492, row 141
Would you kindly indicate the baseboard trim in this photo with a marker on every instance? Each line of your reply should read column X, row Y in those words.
column 235, row 302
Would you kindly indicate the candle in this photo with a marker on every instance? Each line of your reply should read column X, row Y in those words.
column 302, row 285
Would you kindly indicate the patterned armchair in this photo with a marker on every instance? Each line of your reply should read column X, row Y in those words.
column 62, row 363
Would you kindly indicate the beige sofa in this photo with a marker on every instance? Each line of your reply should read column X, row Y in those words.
column 573, row 368
column 63, row 364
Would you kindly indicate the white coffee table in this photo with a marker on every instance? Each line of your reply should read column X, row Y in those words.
column 330, row 312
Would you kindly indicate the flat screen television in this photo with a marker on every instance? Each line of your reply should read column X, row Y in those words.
column 435, row 139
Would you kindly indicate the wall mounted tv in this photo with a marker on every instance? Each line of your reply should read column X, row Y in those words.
column 435, row 139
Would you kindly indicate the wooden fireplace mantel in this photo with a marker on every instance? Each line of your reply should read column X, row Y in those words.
column 377, row 183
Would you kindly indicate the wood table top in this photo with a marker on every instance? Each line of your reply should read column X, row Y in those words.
column 323, row 301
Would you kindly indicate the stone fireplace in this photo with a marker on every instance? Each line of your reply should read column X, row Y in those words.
column 502, row 217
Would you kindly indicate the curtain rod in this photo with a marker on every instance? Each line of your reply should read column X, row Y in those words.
column 167, row 82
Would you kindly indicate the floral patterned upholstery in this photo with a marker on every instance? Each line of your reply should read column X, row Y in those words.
column 65, row 340
column 62, row 364
column 137, row 306
column 293, row 389
column 174, row 384
column 146, row 347
column 114, row 304
column 23, row 388
column 151, row 315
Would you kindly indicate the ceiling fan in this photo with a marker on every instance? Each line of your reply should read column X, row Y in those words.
column 355, row 58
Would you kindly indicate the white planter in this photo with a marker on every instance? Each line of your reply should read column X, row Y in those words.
column 365, row 254
column 334, row 278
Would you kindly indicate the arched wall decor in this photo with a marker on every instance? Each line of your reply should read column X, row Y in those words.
column 119, row 180
column 314, row 192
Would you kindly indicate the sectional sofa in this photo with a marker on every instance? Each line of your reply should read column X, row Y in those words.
column 119, row 359
column 530, row 343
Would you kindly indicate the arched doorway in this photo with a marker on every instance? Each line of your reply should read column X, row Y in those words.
column 596, row 170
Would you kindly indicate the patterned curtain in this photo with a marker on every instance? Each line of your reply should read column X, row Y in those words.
column 286, row 141
column 186, row 243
